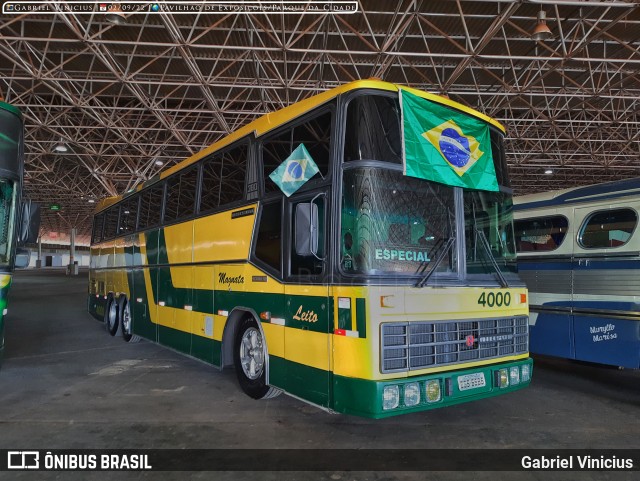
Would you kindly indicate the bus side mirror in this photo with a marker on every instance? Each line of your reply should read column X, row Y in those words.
column 23, row 257
column 306, row 235
column 29, row 226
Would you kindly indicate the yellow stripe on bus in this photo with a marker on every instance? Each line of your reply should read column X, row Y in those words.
column 219, row 237
column 308, row 348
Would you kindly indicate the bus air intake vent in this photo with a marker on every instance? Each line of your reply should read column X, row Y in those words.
column 419, row 345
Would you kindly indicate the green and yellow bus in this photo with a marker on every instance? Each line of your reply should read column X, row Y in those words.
column 300, row 252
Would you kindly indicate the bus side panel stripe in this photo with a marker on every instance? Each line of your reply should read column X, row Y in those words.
column 206, row 349
column 303, row 381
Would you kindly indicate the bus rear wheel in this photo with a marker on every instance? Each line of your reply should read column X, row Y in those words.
column 250, row 360
column 126, row 327
column 111, row 316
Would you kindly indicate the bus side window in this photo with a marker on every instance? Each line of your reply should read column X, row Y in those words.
column 150, row 207
column 128, row 215
column 181, row 195
column 608, row 228
column 223, row 178
column 233, row 171
column 97, row 229
column 315, row 134
column 111, row 222
column 540, row 233
column 268, row 245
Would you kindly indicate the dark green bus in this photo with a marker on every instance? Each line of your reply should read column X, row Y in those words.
column 12, row 210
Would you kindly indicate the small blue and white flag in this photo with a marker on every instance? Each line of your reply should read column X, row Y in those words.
column 295, row 171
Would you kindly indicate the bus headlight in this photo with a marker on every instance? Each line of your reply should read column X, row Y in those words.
column 526, row 372
column 514, row 375
column 502, row 378
column 433, row 391
column 390, row 397
column 411, row 394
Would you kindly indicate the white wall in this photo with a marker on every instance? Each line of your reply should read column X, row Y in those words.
column 59, row 259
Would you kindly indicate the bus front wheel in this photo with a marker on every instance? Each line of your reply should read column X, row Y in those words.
column 250, row 361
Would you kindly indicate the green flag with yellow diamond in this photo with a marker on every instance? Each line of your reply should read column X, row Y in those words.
column 445, row 146
column 295, row 171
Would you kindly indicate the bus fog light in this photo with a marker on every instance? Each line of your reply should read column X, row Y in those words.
column 526, row 372
column 411, row 394
column 433, row 391
column 390, row 397
column 502, row 378
column 514, row 375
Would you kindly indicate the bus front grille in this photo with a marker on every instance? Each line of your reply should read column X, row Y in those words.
column 418, row 345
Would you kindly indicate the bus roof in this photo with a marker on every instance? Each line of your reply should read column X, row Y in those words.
column 575, row 195
column 10, row 108
column 272, row 120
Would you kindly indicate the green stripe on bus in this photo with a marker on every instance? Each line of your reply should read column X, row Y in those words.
column 206, row 349
column 301, row 312
column 174, row 338
column 361, row 317
column 141, row 311
column 203, row 301
column 306, row 382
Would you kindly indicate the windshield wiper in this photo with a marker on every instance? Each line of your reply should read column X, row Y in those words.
column 440, row 250
column 487, row 248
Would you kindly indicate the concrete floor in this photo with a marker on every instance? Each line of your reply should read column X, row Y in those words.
column 65, row 383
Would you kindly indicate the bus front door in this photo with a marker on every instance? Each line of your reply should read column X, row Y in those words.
column 308, row 307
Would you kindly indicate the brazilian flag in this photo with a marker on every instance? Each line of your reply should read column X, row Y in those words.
column 295, row 171
column 445, row 146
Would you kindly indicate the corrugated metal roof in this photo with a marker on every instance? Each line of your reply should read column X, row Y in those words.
column 165, row 85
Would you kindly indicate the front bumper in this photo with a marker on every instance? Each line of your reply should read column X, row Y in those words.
column 363, row 397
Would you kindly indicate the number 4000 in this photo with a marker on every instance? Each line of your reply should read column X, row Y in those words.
column 494, row 299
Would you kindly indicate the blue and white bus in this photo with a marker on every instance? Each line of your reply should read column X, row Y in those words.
column 579, row 254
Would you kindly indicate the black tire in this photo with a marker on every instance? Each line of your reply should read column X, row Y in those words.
column 248, row 348
column 111, row 321
column 126, row 324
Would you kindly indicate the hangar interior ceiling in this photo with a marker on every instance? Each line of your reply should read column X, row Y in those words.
column 165, row 85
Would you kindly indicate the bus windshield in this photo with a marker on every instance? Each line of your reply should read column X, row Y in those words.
column 392, row 223
column 489, row 221
column 395, row 224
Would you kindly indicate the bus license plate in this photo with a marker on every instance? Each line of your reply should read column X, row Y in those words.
column 471, row 381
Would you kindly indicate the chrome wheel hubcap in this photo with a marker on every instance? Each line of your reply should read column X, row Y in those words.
column 112, row 314
column 126, row 319
column 252, row 353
